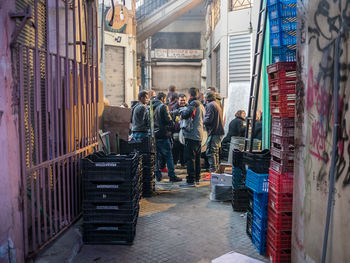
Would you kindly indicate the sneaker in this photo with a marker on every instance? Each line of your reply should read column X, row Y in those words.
column 186, row 184
column 207, row 177
column 197, row 182
column 164, row 170
column 175, row 179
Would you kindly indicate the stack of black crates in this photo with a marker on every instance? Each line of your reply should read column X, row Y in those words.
column 111, row 195
column 239, row 190
column 147, row 149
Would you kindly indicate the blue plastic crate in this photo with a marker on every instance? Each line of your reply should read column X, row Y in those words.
column 260, row 205
column 260, row 219
column 283, row 54
column 281, row 24
column 259, row 244
column 282, row 9
column 260, row 233
column 259, row 183
column 286, row 2
column 283, row 39
column 238, row 178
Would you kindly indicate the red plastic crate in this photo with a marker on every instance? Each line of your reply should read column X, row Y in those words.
column 279, row 239
column 279, row 66
column 280, row 182
column 281, row 110
column 281, row 154
column 278, row 255
column 282, row 122
column 281, row 202
column 284, row 99
column 282, row 131
column 282, row 143
column 282, row 84
column 281, row 221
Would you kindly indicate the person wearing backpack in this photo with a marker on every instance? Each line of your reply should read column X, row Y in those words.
column 163, row 126
column 192, row 127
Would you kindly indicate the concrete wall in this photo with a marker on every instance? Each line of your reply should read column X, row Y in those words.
column 11, row 228
column 319, row 22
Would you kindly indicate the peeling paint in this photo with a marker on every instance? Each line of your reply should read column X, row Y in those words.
column 8, row 252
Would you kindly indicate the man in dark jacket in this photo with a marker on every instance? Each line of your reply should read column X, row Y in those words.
column 193, row 134
column 139, row 117
column 163, row 124
column 236, row 126
column 215, row 127
column 178, row 148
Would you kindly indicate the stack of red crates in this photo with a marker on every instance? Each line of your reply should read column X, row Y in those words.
column 282, row 82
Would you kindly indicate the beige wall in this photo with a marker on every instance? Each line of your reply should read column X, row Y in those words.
column 183, row 77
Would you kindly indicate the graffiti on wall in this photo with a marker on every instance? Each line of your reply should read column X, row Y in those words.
column 323, row 29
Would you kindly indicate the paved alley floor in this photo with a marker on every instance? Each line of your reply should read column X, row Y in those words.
column 179, row 225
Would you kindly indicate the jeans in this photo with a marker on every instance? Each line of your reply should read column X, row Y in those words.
column 139, row 136
column 164, row 151
column 193, row 157
column 178, row 152
column 213, row 147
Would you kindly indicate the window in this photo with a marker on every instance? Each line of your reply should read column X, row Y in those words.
column 240, row 4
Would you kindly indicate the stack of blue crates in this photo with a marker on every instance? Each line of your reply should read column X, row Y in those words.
column 259, row 184
column 283, row 26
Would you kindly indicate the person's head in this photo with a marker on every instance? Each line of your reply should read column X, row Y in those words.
column 193, row 92
column 151, row 94
column 210, row 96
column 173, row 97
column 143, row 97
column 211, row 88
column 240, row 114
column 172, row 88
column 182, row 100
column 162, row 97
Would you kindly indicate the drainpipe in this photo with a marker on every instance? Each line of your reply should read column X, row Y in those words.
column 148, row 61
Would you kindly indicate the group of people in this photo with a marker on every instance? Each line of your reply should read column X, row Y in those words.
column 180, row 121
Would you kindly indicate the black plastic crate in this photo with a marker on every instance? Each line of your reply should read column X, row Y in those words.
column 237, row 159
column 239, row 199
column 120, row 216
column 249, row 225
column 147, row 145
column 110, row 195
column 250, row 201
column 113, row 176
column 109, row 233
column 258, row 162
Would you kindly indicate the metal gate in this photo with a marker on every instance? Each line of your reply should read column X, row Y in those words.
column 57, row 65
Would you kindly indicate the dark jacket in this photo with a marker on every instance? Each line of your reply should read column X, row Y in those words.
column 174, row 113
column 163, row 123
column 257, row 134
column 213, row 119
column 236, row 128
column 139, row 118
column 194, row 110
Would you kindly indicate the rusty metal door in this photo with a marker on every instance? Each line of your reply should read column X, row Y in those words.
column 57, row 66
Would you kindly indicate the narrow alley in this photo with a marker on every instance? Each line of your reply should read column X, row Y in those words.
column 194, row 131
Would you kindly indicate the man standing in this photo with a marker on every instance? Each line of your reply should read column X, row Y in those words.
column 215, row 127
column 178, row 148
column 139, row 118
column 193, row 134
column 163, row 124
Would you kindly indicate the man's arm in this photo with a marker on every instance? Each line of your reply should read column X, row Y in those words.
column 209, row 115
column 166, row 116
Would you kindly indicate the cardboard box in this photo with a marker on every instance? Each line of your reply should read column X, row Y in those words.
column 221, row 179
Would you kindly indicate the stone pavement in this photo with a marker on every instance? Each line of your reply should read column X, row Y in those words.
column 179, row 225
